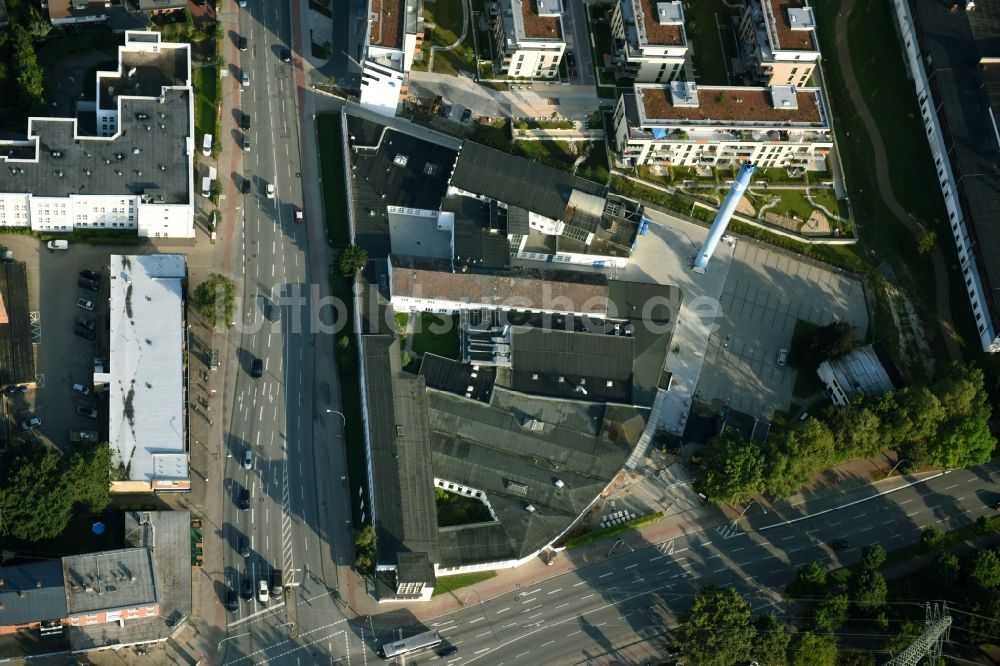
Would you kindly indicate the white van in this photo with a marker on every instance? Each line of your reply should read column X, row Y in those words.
column 206, row 146
column 206, row 187
column 58, row 245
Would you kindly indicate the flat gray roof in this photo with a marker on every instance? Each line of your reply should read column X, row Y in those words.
column 32, row 592
column 110, row 580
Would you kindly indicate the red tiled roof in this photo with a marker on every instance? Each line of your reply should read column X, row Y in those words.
column 669, row 35
column 788, row 38
column 385, row 31
column 539, row 27
column 722, row 104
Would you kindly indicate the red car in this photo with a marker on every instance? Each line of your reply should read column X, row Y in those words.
column 297, row 215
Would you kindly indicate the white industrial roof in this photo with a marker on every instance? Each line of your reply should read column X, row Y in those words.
column 146, row 411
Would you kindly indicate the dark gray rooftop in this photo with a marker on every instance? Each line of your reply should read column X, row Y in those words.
column 445, row 374
column 32, row 592
column 964, row 93
column 110, row 580
column 514, row 450
column 652, row 311
column 518, row 181
column 84, row 165
column 17, row 356
column 480, row 233
column 575, row 366
column 405, row 513
column 160, row 5
column 145, row 73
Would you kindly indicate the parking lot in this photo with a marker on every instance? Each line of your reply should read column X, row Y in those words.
column 64, row 354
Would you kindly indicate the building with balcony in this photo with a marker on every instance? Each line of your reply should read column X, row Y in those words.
column 125, row 163
column 528, row 38
column 683, row 124
column 778, row 38
column 649, row 43
column 395, row 36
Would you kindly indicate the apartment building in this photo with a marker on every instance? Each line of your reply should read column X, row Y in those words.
column 528, row 38
column 395, row 36
column 132, row 169
column 649, row 43
column 778, row 38
column 683, row 124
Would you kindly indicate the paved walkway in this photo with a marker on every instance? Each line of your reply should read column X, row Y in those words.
column 941, row 298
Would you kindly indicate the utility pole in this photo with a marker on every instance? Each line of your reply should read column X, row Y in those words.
column 937, row 629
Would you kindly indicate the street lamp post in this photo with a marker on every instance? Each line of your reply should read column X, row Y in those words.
column 334, row 411
column 752, row 502
column 898, row 463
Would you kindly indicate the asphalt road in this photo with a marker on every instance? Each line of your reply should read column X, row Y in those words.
column 273, row 416
column 615, row 609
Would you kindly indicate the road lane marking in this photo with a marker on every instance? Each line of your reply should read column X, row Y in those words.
column 720, row 569
column 532, row 617
column 789, row 537
column 658, row 557
column 558, row 589
column 533, row 591
column 631, row 566
column 580, row 583
column 574, row 633
column 528, row 601
column 485, row 633
column 478, row 619
column 561, row 605
column 546, row 644
column 736, row 550
column 504, row 610
column 606, row 575
column 587, row 597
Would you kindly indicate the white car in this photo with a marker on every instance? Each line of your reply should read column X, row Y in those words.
column 263, row 594
column 782, row 357
column 246, row 79
column 247, row 459
column 81, row 389
column 243, row 3
column 31, row 424
column 85, row 303
column 270, row 191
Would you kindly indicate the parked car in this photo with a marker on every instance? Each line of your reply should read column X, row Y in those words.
column 242, row 43
column 232, row 601
column 571, row 59
column 446, row 111
column 31, row 424
column 262, row 591
column 245, row 186
column 286, row 55
column 242, row 3
column 246, row 142
column 85, row 303
column 90, row 274
column 85, row 322
column 88, row 284
column 57, row 245
column 277, row 586
column 244, row 546
column 245, row 79
column 257, row 368
column 81, row 389
column 246, row 588
column 466, row 115
column 270, row 190
column 782, row 357
column 244, row 499
column 447, row 650
column 297, row 215
column 248, row 459
column 88, row 412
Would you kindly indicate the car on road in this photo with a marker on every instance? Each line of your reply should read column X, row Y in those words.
column 245, row 79
column 90, row 274
column 447, row 650
column 88, row 284
column 466, row 115
column 242, row 3
column 81, row 389
column 248, row 459
column 286, row 55
column 840, row 544
column 85, row 333
column 85, row 322
column 245, row 122
column 232, row 601
column 245, row 186
column 297, row 215
column 246, row 588
column 31, row 424
column 244, row 547
column 246, row 142
column 571, row 59
column 244, row 499
column 57, row 245
column 85, row 303
column 242, row 43
column 257, row 368
column 88, row 412
column 269, row 190
column 262, row 591
column 782, row 357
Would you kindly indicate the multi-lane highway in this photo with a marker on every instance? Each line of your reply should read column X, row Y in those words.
column 616, row 609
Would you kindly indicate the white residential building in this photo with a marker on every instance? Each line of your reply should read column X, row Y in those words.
column 528, row 38
column 649, row 43
column 394, row 37
column 779, row 38
column 683, row 124
column 147, row 424
column 132, row 170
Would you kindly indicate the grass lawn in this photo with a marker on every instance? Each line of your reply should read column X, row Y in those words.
column 206, row 99
column 332, row 165
column 435, row 334
column 455, row 509
column 447, row 584
column 793, row 202
column 825, row 197
column 495, row 134
column 447, row 17
column 703, row 20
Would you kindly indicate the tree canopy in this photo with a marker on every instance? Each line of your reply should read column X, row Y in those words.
column 215, row 300
column 39, row 488
column 829, row 342
column 352, row 260
column 733, row 468
column 718, row 630
column 811, row 649
column 30, row 77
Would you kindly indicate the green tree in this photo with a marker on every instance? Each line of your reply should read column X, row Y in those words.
column 925, row 241
column 718, row 630
column 961, row 390
column 809, row 649
column 88, row 472
column 770, row 646
column 857, row 430
column 870, row 590
column 872, row 558
column 352, row 260
column 830, row 613
column 963, row 442
column 364, row 549
column 932, row 537
column 215, row 300
column 30, row 77
column 984, row 569
column 810, row 579
column 799, row 453
column 829, row 342
column 733, row 469
column 947, row 570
